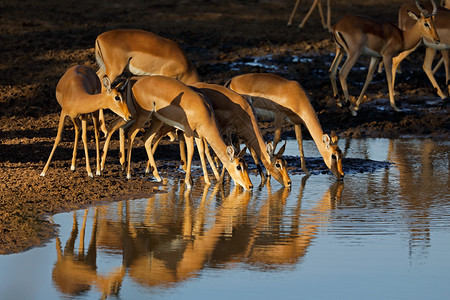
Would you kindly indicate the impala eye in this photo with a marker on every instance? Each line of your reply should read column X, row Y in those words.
column 333, row 156
column 238, row 168
column 427, row 25
column 117, row 98
column 277, row 165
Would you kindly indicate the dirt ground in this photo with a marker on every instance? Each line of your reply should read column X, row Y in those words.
column 42, row 39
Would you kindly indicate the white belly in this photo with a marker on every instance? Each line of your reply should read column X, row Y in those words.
column 264, row 114
column 369, row 52
column 136, row 71
column 169, row 122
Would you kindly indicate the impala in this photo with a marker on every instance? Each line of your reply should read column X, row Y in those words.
column 442, row 23
column 317, row 3
column 358, row 35
column 280, row 98
column 235, row 116
column 445, row 53
column 169, row 101
column 140, row 52
column 138, row 113
column 78, row 93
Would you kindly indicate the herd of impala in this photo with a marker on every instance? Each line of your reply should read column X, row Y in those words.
column 162, row 88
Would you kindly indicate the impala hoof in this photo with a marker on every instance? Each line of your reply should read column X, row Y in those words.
column 395, row 108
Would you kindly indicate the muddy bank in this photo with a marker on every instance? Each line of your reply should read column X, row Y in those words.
column 43, row 39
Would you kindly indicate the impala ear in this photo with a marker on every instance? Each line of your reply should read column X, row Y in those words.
column 269, row 149
column 326, row 140
column 242, row 152
column 230, row 152
column 413, row 15
column 334, row 137
column 106, row 83
column 281, row 151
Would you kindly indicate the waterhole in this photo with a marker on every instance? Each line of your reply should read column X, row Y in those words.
column 381, row 233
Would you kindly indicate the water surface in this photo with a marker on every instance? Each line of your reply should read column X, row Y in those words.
column 381, row 234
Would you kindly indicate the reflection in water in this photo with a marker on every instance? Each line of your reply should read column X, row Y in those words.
column 418, row 190
column 75, row 272
column 282, row 239
column 180, row 232
column 388, row 226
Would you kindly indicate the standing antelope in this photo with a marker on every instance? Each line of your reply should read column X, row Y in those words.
column 442, row 23
column 317, row 3
column 140, row 52
column 78, row 93
column 360, row 35
column 280, row 98
column 169, row 101
column 235, row 116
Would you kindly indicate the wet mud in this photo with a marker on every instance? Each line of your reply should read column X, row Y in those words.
column 42, row 39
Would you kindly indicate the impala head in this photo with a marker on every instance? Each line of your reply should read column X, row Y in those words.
column 279, row 163
column 238, row 168
column 427, row 20
column 118, row 104
column 334, row 158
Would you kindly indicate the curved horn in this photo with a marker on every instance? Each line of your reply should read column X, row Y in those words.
column 435, row 7
column 422, row 10
column 124, row 85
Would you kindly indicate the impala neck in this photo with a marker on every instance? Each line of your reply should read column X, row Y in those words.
column 94, row 102
column 411, row 37
column 308, row 115
column 217, row 144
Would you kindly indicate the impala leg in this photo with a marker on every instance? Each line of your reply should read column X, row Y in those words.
column 322, row 18
column 101, row 118
column 122, row 130
column 190, row 152
column 333, row 71
column 76, row 125
column 396, row 62
column 182, row 143
column 293, row 13
column 388, row 68
column 329, row 15
column 258, row 166
column 131, row 136
column 308, row 14
column 439, row 64
column 428, row 61
column 211, row 161
column 201, row 152
column 165, row 130
column 158, row 137
column 222, row 175
column 95, row 119
column 148, row 139
column 84, row 139
column 445, row 56
column 299, row 137
column 277, row 124
column 372, row 67
column 119, row 122
column 57, row 140
column 122, row 147
column 343, row 73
